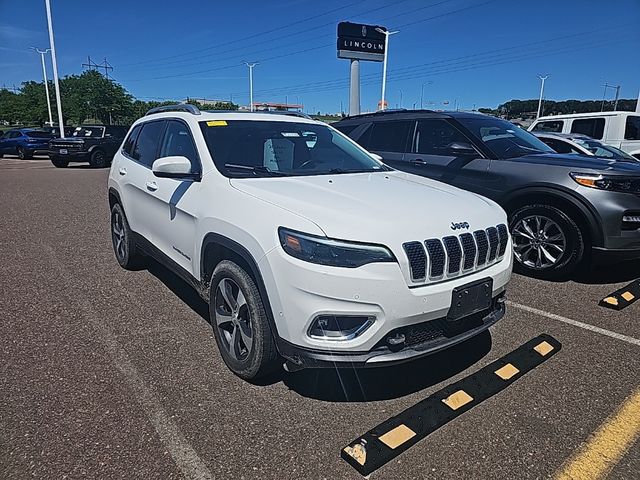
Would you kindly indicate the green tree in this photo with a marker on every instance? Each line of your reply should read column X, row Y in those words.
column 92, row 96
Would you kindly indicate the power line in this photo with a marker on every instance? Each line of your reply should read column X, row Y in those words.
column 250, row 37
column 187, row 74
column 306, row 31
column 414, row 68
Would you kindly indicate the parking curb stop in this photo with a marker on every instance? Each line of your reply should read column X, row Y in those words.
column 383, row 443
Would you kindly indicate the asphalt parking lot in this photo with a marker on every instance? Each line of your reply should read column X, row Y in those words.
column 115, row 374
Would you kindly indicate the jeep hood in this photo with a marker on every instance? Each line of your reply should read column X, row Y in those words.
column 383, row 207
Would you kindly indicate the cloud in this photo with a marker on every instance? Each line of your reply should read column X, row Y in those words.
column 10, row 32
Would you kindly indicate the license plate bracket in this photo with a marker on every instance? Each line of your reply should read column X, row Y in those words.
column 471, row 298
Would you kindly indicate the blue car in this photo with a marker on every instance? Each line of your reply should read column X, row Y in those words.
column 25, row 142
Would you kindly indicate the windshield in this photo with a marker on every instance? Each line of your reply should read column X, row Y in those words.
column 38, row 134
column 601, row 150
column 88, row 132
column 503, row 138
column 242, row 148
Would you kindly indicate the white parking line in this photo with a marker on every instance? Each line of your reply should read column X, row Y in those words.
column 575, row 323
column 186, row 459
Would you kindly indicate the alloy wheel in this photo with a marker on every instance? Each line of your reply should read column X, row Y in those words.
column 119, row 236
column 539, row 242
column 233, row 319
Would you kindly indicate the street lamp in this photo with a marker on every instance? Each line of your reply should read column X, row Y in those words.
column 46, row 82
column 542, row 78
column 251, row 65
column 386, row 34
column 55, row 68
column 422, row 91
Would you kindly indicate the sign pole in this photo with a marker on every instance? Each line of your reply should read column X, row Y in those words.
column 354, row 89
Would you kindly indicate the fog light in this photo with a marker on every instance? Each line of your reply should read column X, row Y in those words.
column 339, row 327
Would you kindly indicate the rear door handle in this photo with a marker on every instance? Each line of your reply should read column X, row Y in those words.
column 420, row 162
column 122, row 171
column 152, row 186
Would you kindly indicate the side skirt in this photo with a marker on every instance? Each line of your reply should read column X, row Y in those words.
column 152, row 251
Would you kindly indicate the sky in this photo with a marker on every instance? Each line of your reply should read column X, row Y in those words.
column 464, row 53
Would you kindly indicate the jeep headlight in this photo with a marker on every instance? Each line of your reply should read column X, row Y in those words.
column 335, row 253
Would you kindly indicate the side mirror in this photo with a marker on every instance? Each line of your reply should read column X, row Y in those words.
column 462, row 149
column 376, row 156
column 174, row 167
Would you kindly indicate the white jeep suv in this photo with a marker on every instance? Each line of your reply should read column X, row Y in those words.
column 308, row 249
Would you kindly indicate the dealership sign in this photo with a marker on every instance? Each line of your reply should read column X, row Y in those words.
column 361, row 42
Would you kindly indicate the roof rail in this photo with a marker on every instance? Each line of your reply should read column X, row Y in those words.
column 180, row 107
column 285, row 112
column 271, row 112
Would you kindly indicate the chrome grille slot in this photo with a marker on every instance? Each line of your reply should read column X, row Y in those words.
column 437, row 258
column 483, row 246
column 454, row 254
column 417, row 260
column 503, row 233
column 492, row 234
column 469, row 249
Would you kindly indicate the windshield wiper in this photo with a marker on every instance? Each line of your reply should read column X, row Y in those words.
column 256, row 169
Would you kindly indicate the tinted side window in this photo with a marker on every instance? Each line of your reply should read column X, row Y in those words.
column 434, row 137
column 632, row 129
column 593, row 127
column 131, row 141
column 178, row 142
column 390, row 136
column 558, row 145
column 553, row 126
column 346, row 129
column 146, row 148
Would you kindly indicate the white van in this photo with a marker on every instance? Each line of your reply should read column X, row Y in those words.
column 619, row 129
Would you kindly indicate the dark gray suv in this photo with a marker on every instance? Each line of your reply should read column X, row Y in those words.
column 562, row 208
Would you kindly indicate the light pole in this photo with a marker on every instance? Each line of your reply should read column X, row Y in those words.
column 542, row 78
column 55, row 68
column 386, row 34
column 46, row 82
column 251, row 65
column 400, row 98
column 422, row 91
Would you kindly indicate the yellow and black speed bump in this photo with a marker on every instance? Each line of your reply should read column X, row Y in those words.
column 622, row 298
column 392, row 437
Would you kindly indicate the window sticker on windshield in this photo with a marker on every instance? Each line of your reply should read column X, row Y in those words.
column 217, row 123
column 278, row 154
column 290, row 134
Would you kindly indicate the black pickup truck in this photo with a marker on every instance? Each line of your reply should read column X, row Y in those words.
column 96, row 144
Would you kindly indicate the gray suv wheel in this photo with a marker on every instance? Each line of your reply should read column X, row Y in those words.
column 546, row 242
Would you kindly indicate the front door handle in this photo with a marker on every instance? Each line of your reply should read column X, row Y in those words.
column 420, row 162
column 152, row 186
column 122, row 171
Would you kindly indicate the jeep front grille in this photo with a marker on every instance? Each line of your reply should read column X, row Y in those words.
column 456, row 255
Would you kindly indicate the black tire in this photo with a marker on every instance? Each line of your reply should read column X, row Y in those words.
column 24, row 154
column 124, row 245
column 566, row 235
column 249, row 362
column 59, row 162
column 99, row 159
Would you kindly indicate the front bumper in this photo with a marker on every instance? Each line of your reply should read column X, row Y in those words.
column 438, row 335
column 71, row 155
column 299, row 292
